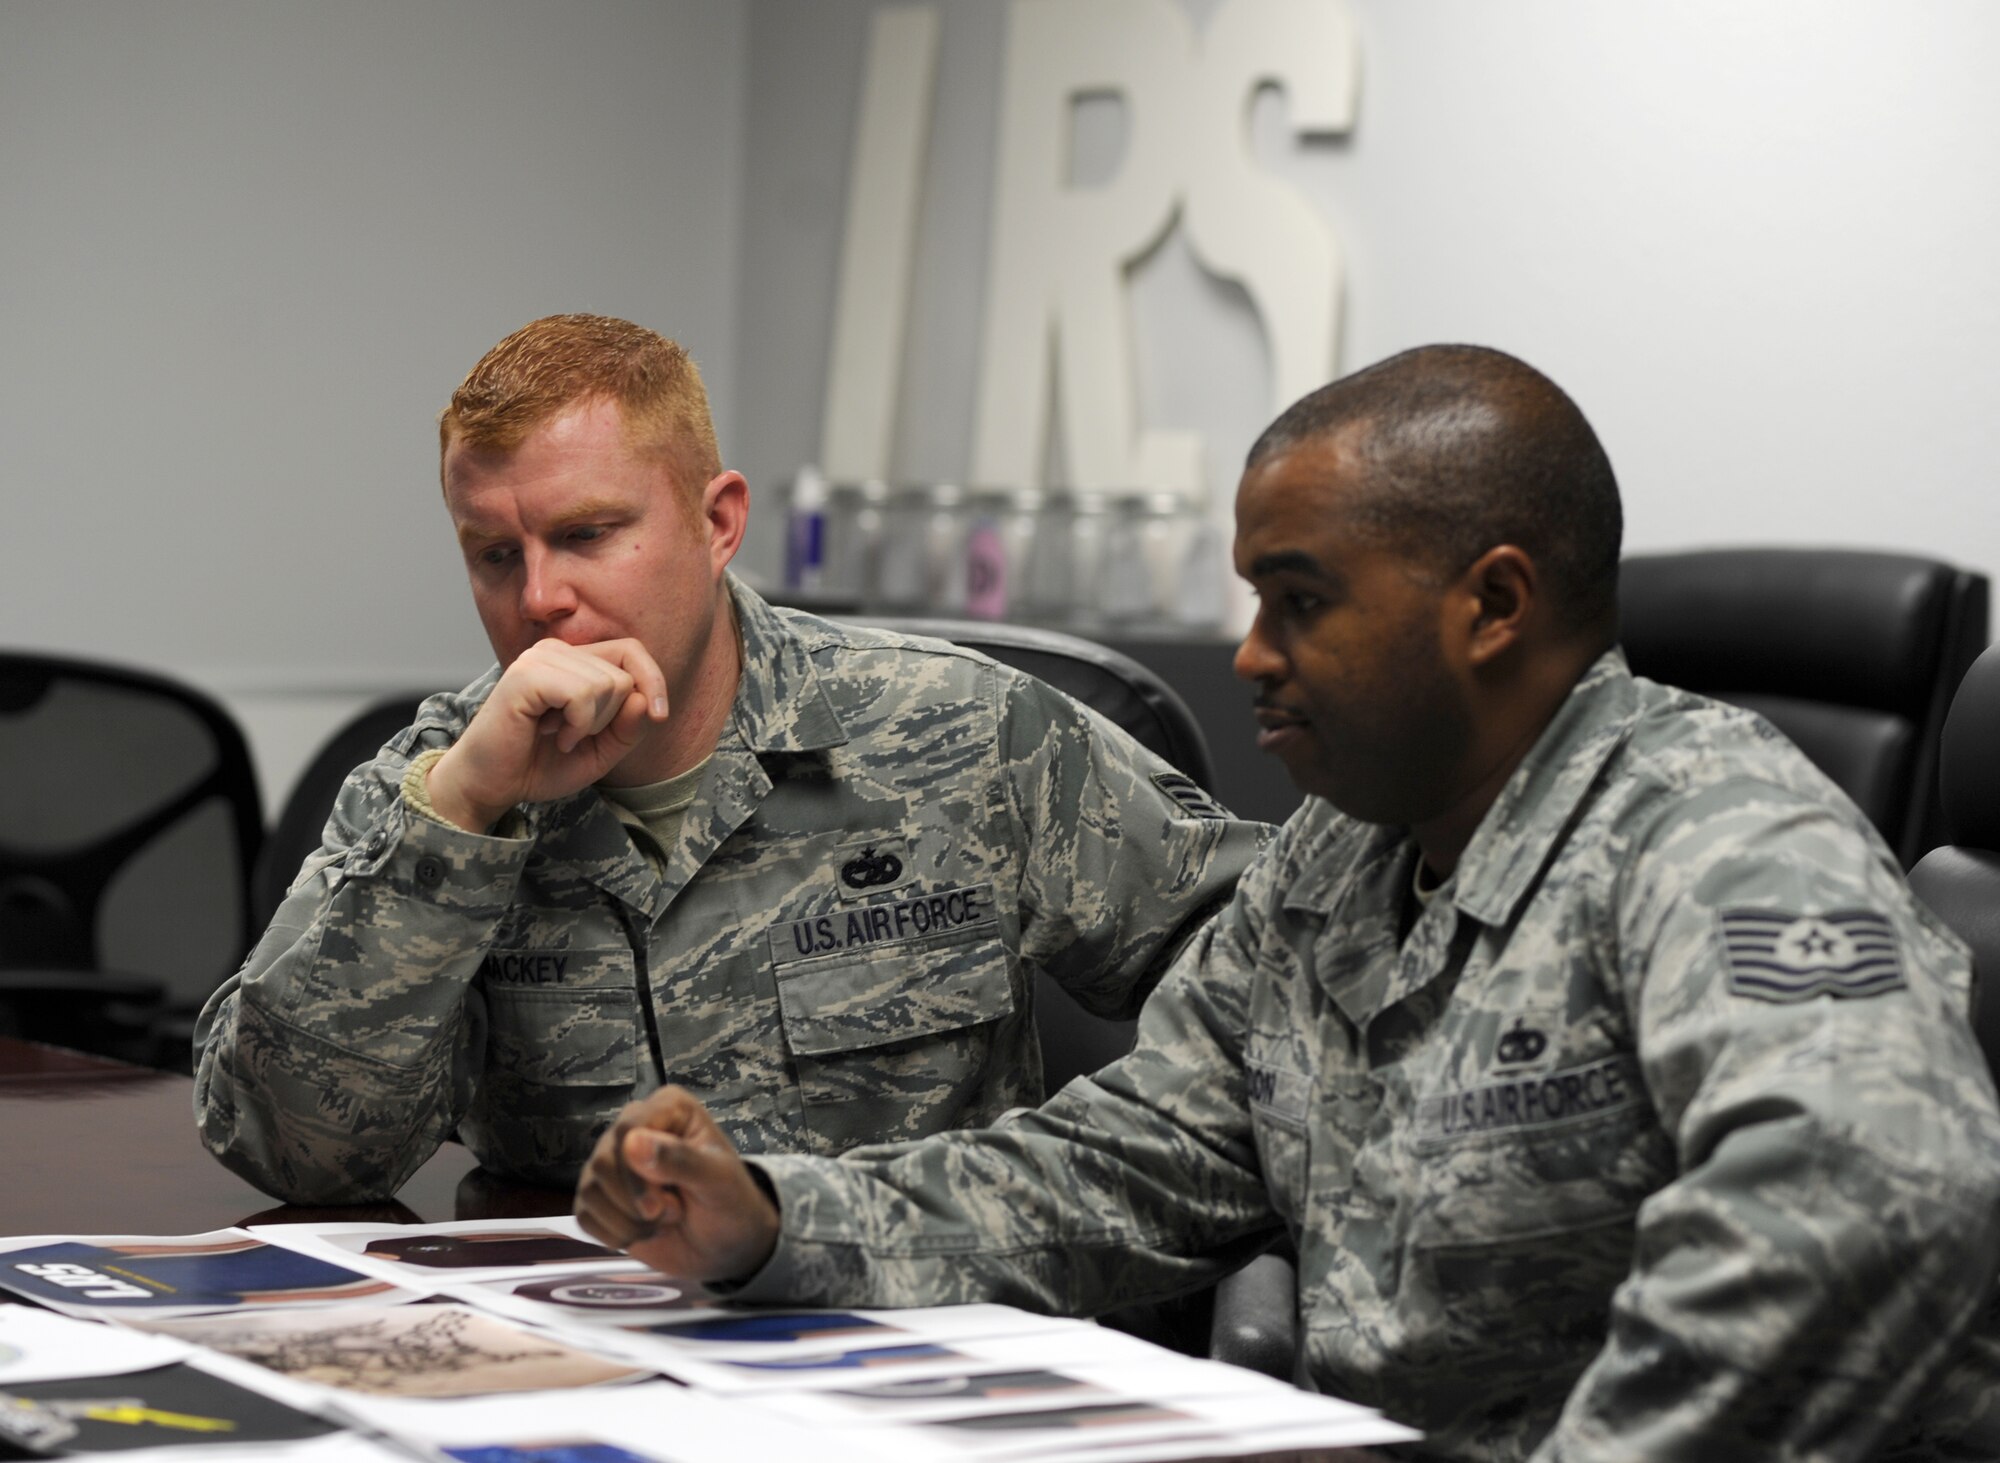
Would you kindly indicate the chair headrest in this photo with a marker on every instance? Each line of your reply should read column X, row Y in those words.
column 1843, row 625
column 1969, row 767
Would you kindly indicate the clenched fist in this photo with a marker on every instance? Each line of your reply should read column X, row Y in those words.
column 665, row 1185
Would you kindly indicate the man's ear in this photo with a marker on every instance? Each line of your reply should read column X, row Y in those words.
column 725, row 512
column 1499, row 592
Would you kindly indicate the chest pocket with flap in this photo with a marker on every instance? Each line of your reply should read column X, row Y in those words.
column 561, row 1019
column 889, row 1023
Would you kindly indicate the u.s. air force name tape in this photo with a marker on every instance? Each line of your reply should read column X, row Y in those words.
column 1529, row 1101
column 1777, row 956
column 891, row 922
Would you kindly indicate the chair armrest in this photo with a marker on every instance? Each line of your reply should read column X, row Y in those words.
column 1256, row 1317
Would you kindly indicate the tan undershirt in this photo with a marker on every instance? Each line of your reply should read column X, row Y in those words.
column 653, row 813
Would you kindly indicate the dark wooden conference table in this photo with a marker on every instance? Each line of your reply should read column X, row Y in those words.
column 94, row 1146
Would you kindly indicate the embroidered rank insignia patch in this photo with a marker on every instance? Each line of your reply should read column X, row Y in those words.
column 1187, row 792
column 1774, row 956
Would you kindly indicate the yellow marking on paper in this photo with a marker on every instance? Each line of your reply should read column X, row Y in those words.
column 187, row 1422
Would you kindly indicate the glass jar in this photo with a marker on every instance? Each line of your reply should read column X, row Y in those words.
column 854, row 532
column 1142, row 559
column 1000, row 530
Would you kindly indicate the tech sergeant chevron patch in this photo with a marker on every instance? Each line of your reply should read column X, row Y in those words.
column 1776, row 956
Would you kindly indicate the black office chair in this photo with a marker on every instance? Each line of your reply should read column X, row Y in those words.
column 295, row 836
column 129, row 821
column 1853, row 655
column 1960, row 881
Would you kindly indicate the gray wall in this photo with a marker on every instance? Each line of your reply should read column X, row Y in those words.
column 247, row 246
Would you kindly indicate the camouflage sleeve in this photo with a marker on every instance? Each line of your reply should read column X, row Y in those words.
column 1126, row 857
column 332, row 1065
column 1800, row 1023
column 1137, row 1183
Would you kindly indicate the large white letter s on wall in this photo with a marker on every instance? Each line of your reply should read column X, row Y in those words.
column 1246, row 225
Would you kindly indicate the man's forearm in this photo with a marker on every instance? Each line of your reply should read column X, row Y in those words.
column 1055, row 1210
column 306, row 1121
column 332, row 1065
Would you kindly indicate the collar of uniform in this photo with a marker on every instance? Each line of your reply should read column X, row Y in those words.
column 1337, row 852
column 1514, row 839
column 580, row 838
column 780, row 704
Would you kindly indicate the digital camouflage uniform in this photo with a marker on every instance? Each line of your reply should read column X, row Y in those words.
column 1661, row 1136
column 890, row 839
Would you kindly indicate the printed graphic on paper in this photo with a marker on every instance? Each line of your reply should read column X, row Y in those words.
column 485, row 1251
column 882, row 1356
column 927, row 1392
column 1066, row 1419
column 775, row 1326
column 165, row 1407
column 200, row 1272
column 618, row 1291
column 401, row 1351
column 41, row 1346
column 554, row 1452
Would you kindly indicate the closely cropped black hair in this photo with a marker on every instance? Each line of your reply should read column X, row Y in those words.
column 1465, row 448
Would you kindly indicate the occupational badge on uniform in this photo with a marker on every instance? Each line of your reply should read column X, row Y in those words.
column 1528, row 1038
column 1776, row 956
column 869, row 869
column 1519, row 1044
column 1188, row 793
column 870, row 866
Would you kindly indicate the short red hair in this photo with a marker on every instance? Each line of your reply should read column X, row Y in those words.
column 560, row 361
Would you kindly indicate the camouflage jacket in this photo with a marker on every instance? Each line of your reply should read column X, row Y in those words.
column 891, row 838
column 1661, row 1134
